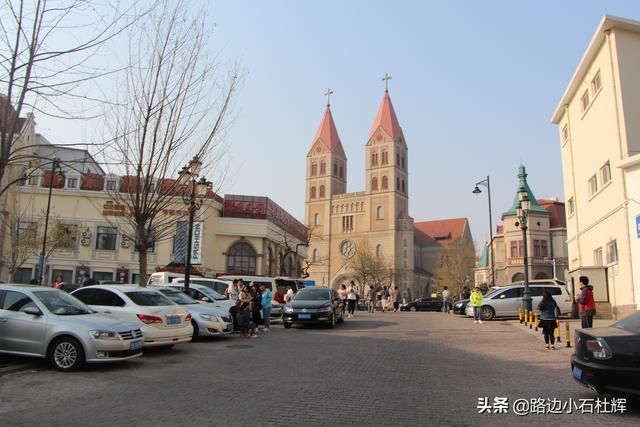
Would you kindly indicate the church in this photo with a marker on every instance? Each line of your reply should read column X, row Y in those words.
column 376, row 219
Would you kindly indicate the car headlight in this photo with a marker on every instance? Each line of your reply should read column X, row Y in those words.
column 325, row 309
column 458, row 305
column 288, row 309
column 210, row 317
column 104, row 335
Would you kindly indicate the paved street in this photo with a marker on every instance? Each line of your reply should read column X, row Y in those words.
column 380, row 369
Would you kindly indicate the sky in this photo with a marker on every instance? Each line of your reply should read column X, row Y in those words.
column 474, row 86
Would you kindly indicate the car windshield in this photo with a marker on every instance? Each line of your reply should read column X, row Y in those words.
column 312, row 295
column 178, row 297
column 61, row 303
column 211, row 293
column 630, row 323
column 146, row 298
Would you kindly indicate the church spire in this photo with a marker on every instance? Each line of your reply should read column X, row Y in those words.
column 327, row 132
column 386, row 118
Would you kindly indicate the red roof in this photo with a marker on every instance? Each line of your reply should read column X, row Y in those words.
column 386, row 119
column 557, row 217
column 421, row 239
column 444, row 231
column 499, row 229
column 328, row 133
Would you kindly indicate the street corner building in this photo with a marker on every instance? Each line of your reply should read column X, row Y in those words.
column 597, row 119
column 377, row 219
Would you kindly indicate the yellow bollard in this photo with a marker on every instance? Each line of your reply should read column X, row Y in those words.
column 520, row 314
column 568, row 337
column 526, row 317
column 531, row 319
column 558, row 330
column 536, row 321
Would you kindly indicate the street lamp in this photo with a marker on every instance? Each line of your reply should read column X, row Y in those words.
column 477, row 190
column 56, row 170
column 522, row 212
column 193, row 199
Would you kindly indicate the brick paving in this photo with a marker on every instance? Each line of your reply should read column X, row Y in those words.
column 377, row 369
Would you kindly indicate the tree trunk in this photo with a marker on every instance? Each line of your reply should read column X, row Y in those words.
column 142, row 267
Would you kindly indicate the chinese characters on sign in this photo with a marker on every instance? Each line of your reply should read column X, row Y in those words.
column 539, row 405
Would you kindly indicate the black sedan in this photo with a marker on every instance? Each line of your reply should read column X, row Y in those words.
column 607, row 360
column 460, row 307
column 314, row 306
column 423, row 304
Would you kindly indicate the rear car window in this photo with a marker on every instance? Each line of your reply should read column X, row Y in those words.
column 631, row 323
column 148, row 299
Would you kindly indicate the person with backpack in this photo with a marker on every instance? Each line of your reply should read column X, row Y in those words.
column 549, row 312
column 586, row 302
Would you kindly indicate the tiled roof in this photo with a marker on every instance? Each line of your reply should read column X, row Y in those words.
column 328, row 133
column 386, row 119
column 421, row 239
column 443, row 231
column 557, row 215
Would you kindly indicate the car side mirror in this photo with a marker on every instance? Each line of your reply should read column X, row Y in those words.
column 34, row 311
column 205, row 299
column 503, row 296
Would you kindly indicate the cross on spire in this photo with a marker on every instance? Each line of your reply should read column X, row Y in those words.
column 328, row 94
column 386, row 79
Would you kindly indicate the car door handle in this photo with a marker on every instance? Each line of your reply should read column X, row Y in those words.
column 107, row 312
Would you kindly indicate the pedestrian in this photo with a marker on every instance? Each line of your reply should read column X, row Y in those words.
column 586, row 302
column 475, row 299
column 385, row 298
column 371, row 299
column 88, row 280
column 549, row 312
column 243, row 320
column 58, row 283
column 446, row 302
column 256, row 306
column 266, row 306
column 342, row 292
column 395, row 298
column 232, row 292
column 245, row 295
column 351, row 300
column 289, row 295
column 466, row 294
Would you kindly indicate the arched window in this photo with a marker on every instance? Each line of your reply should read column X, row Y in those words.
column 314, row 257
column 270, row 262
column 351, row 208
column 403, row 185
column 385, row 183
column 404, row 164
column 374, row 159
column 397, row 183
column 313, row 192
column 385, row 157
column 379, row 250
column 241, row 259
column 316, row 219
column 380, row 212
column 335, row 169
column 518, row 277
column 323, row 168
column 374, row 183
column 322, row 191
column 398, row 159
column 314, row 169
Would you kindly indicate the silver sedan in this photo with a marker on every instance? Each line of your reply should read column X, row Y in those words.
column 49, row 323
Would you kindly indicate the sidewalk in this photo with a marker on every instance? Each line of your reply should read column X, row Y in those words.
column 573, row 325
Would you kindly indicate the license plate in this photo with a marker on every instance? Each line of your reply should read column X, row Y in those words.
column 304, row 316
column 577, row 372
column 136, row 345
column 173, row 320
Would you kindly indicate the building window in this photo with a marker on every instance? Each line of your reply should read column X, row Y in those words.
column 404, row 165
column 596, row 84
column 593, row 185
column 26, row 230
column 316, row 219
column 347, row 223
column 514, row 249
column 314, row 169
column 385, row 183
column 34, row 180
column 341, row 172
column 397, row 183
column 322, row 191
column 597, row 257
column 397, row 159
column 111, row 185
column 314, row 257
column 71, row 231
column 241, row 259
column 540, row 248
column 584, row 101
column 335, row 169
column 22, row 275
column 404, row 243
column 67, row 275
column 571, row 207
column 605, row 174
column 102, row 275
column 612, row 252
column 379, row 251
column 374, row 159
column 403, row 190
column 313, row 192
column 72, row 182
column 385, row 158
column 374, row 183
column 565, row 133
column 323, row 168
column 106, row 238
column 379, row 212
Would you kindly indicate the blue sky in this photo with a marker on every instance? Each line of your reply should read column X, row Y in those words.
column 474, row 86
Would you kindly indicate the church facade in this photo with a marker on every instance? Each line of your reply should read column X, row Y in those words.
column 376, row 219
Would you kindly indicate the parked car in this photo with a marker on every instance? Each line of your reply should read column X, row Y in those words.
column 607, row 359
column 163, row 322
column 314, row 306
column 423, row 304
column 49, row 323
column 204, row 294
column 206, row 320
column 506, row 300
column 460, row 306
column 215, row 284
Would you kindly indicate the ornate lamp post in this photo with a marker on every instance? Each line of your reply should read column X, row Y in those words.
column 56, row 170
column 522, row 212
column 477, row 190
column 193, row 199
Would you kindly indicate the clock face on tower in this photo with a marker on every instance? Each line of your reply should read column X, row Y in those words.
column 347, row 249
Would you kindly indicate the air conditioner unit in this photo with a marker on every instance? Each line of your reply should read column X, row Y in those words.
column 125, row 242
column 85, row 242
column 86, row 234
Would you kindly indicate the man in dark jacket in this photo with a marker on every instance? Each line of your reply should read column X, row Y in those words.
column 88, row 281
column 243, row 320
column 586, row 302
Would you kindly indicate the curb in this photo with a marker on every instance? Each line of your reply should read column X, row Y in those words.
column 562, row 345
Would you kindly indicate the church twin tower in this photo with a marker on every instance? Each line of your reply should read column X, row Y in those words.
column 374, row 220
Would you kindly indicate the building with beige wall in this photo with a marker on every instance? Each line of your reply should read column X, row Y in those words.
column 597, row 118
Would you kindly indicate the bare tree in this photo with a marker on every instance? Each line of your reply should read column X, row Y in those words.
column 22, row 233
column 370, row 269
column 173, row 106
column 457, row 266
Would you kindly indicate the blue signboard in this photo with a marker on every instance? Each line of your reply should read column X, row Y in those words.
column 638, row 226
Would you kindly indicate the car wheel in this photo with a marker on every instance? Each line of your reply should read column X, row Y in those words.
column 287, row 325
column 66, row 354
column 332, row 321
column 341, row 319
column 196, row 331
column 487, row 312
column 412, row 308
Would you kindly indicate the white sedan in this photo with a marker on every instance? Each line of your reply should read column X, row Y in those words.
column 163, row 322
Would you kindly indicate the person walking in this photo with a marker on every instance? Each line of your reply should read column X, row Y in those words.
column 475, row 299
column 549, row 312
column 385, row 298
column 586, row 302
column 266, row 306
column 351, row 300
column 243, row 321
column 371, row 299
column 446, row 300
column 232, row 292
column 395, row 298
column 256, row 306
column 289, row 295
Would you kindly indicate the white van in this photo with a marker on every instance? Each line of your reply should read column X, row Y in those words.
column 275, row 284
column 217, row 285
column 162, row 277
